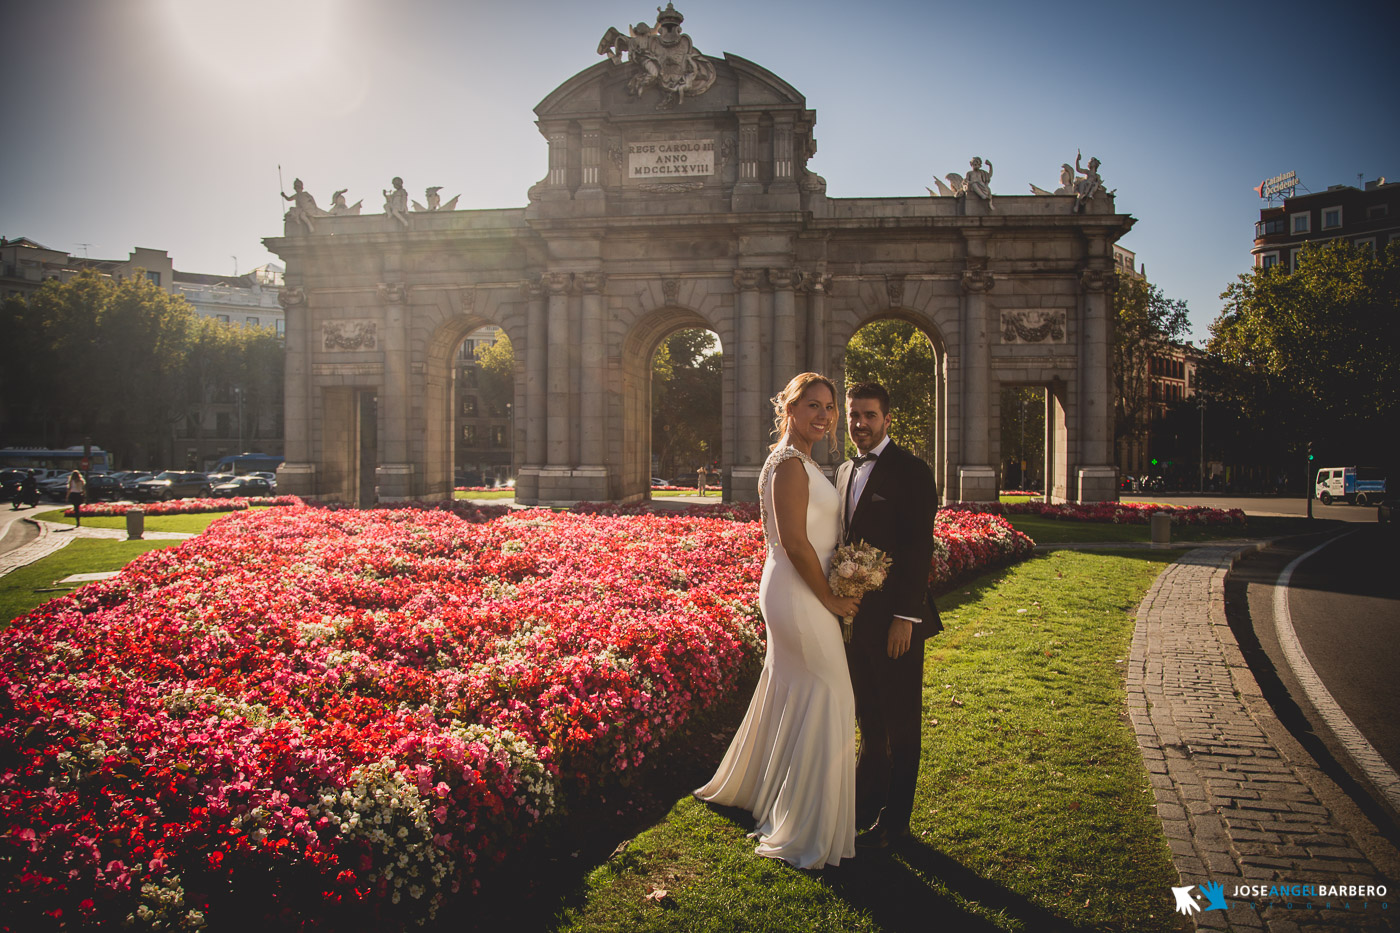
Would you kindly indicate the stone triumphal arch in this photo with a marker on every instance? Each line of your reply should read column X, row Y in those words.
column 678, row 195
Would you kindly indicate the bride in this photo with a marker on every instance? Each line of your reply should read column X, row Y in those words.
column 792, row 762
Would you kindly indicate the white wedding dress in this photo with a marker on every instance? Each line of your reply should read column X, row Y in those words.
column 793, row 761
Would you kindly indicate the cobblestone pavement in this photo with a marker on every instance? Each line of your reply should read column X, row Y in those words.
column 1237, row 799
column 54, row 537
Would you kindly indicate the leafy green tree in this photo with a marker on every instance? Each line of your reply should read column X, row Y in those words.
column 1145, row 321
column 1023, row 437
column 686, row 427
column 495, row 373
column 1314, row 355
column 898, row 355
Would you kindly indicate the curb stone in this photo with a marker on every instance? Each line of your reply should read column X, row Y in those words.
column 1235, row 810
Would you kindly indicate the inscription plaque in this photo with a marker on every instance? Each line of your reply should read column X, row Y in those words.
column 669, row 158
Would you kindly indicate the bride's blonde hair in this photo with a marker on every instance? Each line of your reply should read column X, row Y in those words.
column 792, row 392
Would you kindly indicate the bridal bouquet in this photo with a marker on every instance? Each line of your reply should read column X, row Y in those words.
column 857, row 569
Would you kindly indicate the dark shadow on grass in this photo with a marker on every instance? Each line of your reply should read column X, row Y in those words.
column 898, row 892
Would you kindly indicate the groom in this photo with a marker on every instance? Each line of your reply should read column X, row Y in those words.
column 889, row 501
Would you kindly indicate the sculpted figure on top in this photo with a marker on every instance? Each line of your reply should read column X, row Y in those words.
column 663, row 57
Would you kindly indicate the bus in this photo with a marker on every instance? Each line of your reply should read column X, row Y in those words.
column 239, row 464
column 51, row 463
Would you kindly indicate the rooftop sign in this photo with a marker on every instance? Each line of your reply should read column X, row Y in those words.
column 1278, row 186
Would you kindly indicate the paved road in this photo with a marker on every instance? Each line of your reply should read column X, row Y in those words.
column 1263, row 505
column 13, row 532
column 1344, row 606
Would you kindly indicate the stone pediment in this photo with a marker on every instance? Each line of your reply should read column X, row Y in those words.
column 602, row 90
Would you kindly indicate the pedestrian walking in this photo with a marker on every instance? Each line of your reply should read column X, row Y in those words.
column 700, row 480
column 77, row 489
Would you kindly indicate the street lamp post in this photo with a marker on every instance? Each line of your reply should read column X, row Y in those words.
column 238, row 397
column 1203, row 440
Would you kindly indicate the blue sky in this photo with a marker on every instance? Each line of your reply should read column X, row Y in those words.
column 162, row 123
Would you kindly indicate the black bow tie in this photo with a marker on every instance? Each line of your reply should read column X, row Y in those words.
column 863, row 458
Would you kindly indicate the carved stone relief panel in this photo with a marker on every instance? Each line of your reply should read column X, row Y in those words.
column 354, row 334
column 1033, row 325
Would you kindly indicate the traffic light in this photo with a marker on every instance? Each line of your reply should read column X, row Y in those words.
column 1154, row 461
column 1310, row 453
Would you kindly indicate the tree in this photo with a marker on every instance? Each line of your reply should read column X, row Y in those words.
column 1023, row 436
column 897, row 355
column 686, row 430
column 1145, row 321
column 495, row 373
column 1313, row 355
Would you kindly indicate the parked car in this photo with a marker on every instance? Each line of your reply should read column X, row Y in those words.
column 217, row 478
column 270, row 477
column 1385, row 512
column 103, row 486
column 173, row 484
column 659, row 481
column 242, row 486
column 685, row 479
column 131, row 480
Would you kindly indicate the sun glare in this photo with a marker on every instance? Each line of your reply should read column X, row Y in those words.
column 255, row 43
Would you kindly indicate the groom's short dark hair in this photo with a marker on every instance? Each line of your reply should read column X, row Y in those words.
column 870, row 390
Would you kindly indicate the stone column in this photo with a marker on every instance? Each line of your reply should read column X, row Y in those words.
column 1097, row 475
column 393, row 474
column 818, row 353
column 527, row 481
column 784, row 172
column 977, row 478
column 748, row 181
column 592, row 472
column 558, row 443
column 748, row 395
column 784, row 327
column 297, row 474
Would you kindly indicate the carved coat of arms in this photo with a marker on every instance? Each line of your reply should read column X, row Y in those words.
column 663, row 57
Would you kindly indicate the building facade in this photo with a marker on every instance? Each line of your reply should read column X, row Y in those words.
column 484, row 456
column 1367, row 216
column 678, row 195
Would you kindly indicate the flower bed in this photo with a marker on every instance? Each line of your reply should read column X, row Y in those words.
column 321, row 711
column 182, row 506
column 1127, row 513
column 342, row 716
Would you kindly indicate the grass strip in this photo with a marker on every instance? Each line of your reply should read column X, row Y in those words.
column 1033, row 812
column 27, row 587
column 189, row 524
column 487, row 494
column 1057, row 531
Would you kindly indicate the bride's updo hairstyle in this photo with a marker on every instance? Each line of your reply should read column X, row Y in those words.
column 786, row 399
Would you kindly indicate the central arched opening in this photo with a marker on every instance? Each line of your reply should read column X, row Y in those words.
column 910, row 362
column 676, row 391
column 687, row 424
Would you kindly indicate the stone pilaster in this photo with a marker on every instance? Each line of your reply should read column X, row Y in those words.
column 591, row 183
column 593, row 439
column 297, row 474
column 977, row 478
column 558, row 443
column 818, row 287
column 748, row 395
column 1097, row 476
column 393, row 475
column 784, row 326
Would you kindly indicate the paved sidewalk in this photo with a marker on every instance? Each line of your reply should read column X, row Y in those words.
column 1235, row 808
column 54, row 537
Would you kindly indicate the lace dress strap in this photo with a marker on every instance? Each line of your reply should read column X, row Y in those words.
column 779, row 455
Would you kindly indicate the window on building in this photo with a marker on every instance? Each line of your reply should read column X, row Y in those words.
column 1293, row 259
column 469, row 435
column 1377, row 210
column 223, row 318
column 281, row 328
column 1302, row 223
column 1268, row 260
column 253, row 321
column 469, row 376
column 222, row 424
column 1331, row 218
column 498, row 435
column 469, row 406
column 154, row 277
column 1367, row 243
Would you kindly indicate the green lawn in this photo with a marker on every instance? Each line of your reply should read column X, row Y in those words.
column 1034, row 810
column 190, row 524
column 489, row 494
column 23, row 589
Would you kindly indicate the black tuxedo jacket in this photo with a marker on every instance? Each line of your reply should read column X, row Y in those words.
column 895, row 514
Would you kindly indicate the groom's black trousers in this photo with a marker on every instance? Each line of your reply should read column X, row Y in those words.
column 889, row 711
